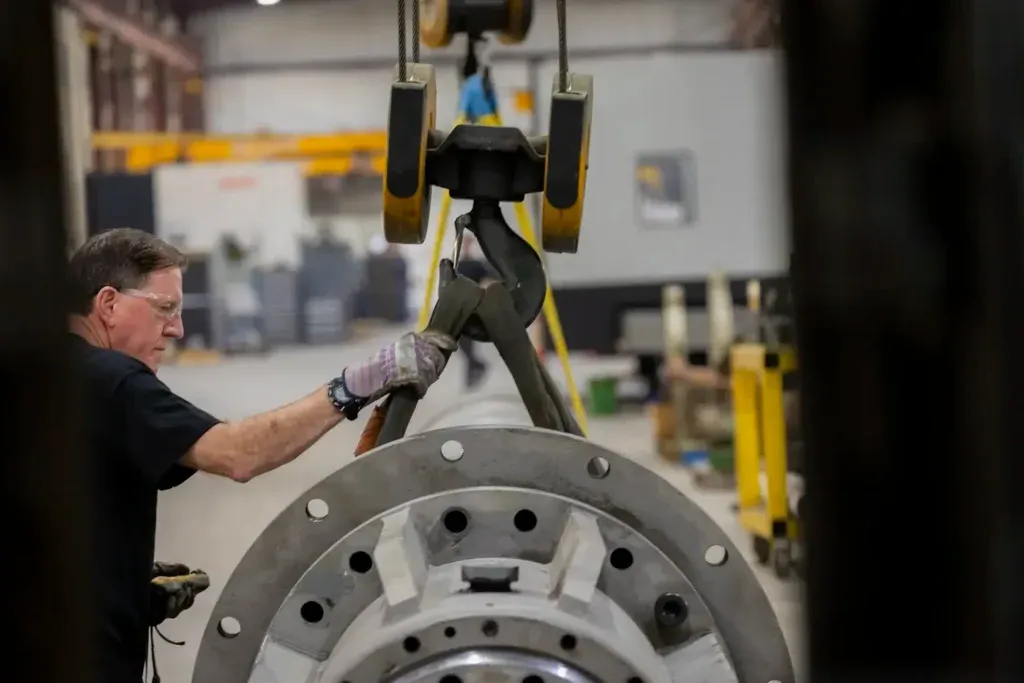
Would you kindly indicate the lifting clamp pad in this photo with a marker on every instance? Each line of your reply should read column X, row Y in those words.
column 442, row 20
column 520, row 18
column 565, row 172
column 411, row 117
column 436, row 24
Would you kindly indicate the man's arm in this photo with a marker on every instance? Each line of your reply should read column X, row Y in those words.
column 248, row 448
column 261, row 443
column 167, row 438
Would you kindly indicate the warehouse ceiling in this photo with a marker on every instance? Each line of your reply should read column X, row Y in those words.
column 185, row 8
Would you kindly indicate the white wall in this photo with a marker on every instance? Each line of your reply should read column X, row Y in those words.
column 261, row 205
column 305, row 46
column 323, row 101
column 726, row 109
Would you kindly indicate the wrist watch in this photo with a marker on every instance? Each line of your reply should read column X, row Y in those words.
column 346, row 403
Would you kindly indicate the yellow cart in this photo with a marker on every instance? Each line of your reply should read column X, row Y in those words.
column 760, row 446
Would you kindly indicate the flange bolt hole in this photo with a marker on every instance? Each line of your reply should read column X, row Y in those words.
column 621, row 559
column 360, row 562
column 525, row 520
column 455, row 521
column 312, row 612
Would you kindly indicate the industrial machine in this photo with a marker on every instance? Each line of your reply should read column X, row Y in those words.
column 495, row 544
column 492, row 553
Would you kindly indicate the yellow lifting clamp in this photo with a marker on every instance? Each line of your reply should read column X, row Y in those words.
column 419, row 156
column 411, row 118
column 442, row 20
column 565, row 170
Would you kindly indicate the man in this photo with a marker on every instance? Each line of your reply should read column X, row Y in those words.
column 126, row 297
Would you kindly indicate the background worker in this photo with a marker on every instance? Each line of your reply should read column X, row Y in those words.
column 125, row 291
column 478, row 101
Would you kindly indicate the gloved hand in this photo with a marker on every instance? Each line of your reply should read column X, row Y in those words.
column 415, row 361
column 173, row 589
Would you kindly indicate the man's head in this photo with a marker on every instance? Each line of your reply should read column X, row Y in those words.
column 125, row 287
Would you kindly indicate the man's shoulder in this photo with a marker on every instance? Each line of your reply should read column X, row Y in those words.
column 104, row 366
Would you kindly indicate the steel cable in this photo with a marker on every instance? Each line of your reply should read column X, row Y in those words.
column 563, row 48
column 416, row 31
column 402, row 59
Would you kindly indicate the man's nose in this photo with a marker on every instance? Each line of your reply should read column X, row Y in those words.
column 175, row 328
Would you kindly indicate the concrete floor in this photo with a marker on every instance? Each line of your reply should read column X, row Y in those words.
column 210, row 522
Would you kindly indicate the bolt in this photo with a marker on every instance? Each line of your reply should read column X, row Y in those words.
column 670, row 610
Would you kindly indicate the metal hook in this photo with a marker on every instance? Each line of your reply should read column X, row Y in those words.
column 517, row 263
column 460, row 230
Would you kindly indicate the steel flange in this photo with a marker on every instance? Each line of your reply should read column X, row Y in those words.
column 493, row 553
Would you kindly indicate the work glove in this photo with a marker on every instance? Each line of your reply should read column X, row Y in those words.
column 415, row 362
column 173, row 589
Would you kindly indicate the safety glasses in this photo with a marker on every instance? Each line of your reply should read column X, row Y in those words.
column 166, row 307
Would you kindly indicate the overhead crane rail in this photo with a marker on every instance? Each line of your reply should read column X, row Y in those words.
column 336, row 153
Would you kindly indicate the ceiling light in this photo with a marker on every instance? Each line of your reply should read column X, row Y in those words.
column 267, row 3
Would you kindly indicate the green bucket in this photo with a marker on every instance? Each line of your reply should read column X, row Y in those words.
column 603, row 396
column 722, row 459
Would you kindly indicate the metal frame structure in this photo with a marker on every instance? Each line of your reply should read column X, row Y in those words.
column 907, row 181
column 760, row 441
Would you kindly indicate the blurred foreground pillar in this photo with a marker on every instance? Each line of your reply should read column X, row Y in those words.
column 905, row 134
column 44, row 572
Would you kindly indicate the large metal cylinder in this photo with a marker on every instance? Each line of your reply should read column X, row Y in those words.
column 473, row 554
column 477, row 410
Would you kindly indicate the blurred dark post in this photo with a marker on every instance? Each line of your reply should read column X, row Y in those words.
column 907, row 191
column 43, row 567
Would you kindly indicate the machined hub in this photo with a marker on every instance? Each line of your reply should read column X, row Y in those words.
column 492, row 554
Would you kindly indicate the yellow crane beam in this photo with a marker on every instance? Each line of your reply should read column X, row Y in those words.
column 336, row 153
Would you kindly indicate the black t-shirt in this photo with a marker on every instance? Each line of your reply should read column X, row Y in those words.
column 137, row 431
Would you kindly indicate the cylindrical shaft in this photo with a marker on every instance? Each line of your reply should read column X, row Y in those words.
column 478, row 410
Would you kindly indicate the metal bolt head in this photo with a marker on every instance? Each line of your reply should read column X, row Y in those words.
column 670, row 610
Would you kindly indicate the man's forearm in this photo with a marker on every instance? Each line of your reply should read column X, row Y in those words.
column 258, row 444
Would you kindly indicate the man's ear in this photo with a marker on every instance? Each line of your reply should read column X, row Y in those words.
column 104, row 302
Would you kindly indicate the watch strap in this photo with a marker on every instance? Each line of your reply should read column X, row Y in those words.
column 343, row 399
